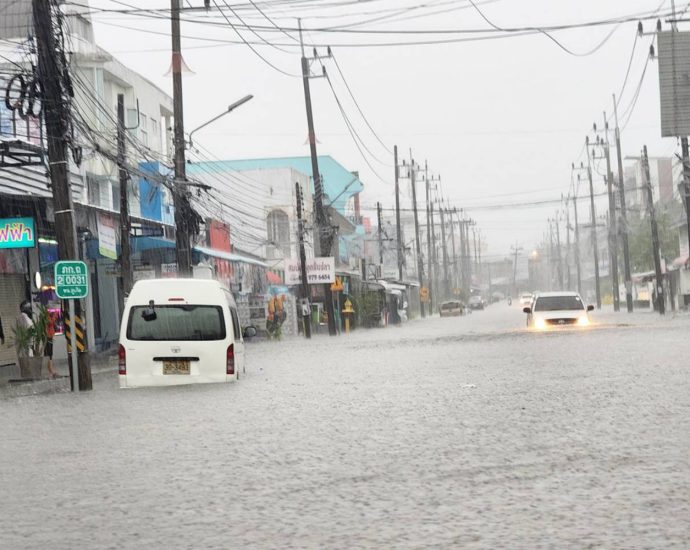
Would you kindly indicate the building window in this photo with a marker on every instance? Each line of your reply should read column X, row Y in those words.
column 144, row 130
column 278, row 225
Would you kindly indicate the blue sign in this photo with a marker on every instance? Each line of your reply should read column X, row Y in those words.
column 17, row 233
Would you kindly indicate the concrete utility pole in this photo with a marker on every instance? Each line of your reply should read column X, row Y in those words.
column 686, row 183
column 613, row 232
column 567, row 245
column 125, row 225
column 380, row 233
column 454, row 278
column 51, row 72
column 577, row 238
column 304, row 288
column 661, row 302
column 430, row 270
column 516, row 250
column 444, row 250
column 420, row 261
column 552, row 256
column 474, row 247
column 595, row 245
column 398, row 229
column 623, row 225
column 559, row 256
column 433, row 255
column 180, row 194
column 322, row 242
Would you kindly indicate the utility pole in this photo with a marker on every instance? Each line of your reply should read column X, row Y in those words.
column 125, row 250
column 380, row 233
column 474, row 246
column 433, row 254
column 429, row 210
column 559, row 253
column 444, row 251
column 322, row 242
column 552, row 256
column 420, row 261
column 686, row 183
column 567, row 244
column 479, row 256
column 52, row 72
column 304, row 288
column 468, row 254
column 397, row 213
column 577, row 239
column 516, row 251
column 454, row 278
column 661, row 302
column 613, row 232
column 180, row 196
column 623, row 225
column 595, row 246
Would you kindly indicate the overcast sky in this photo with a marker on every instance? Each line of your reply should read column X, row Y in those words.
column 500, row 120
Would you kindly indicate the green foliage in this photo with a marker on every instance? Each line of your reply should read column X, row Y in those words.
column 32, row 340
column 640, row 242
column 368, row 308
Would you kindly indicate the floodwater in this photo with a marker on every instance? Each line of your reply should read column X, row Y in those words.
column 464, row 432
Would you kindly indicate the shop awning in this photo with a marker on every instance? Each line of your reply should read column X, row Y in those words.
column 148, row 243
column 274, row 278
column 230, row 256
column 681, row 261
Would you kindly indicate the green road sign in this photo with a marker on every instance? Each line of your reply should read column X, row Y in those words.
column 71, row 280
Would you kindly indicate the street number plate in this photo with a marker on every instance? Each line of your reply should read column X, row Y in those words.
column 175, row 367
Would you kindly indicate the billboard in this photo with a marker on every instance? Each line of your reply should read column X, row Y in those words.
column 674, row 82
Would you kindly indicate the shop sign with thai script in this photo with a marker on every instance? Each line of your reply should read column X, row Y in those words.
column 17, row 233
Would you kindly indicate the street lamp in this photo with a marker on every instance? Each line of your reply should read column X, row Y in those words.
column 230, row 109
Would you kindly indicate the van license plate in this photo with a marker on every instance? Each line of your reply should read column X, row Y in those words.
column 175, row 367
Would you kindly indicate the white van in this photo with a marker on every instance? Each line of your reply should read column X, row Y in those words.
column 180, row 331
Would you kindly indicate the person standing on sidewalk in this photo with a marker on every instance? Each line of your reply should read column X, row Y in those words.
column 48, row 351
column 2, row 334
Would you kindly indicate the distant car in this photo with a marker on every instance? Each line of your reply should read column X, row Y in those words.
column 526, row 298
column 452, row 308
column 557, row 310
column 476, row 302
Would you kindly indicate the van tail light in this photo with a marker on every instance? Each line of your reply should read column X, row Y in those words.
column 122, row 360
column 230, row 360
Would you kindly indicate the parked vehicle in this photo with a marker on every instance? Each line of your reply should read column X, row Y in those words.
column 476, row 302
column 180, row 331
column 557, row 310
column 451, row 308
column 526, row 298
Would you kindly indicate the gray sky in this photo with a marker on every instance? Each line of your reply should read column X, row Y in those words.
column 499, row 120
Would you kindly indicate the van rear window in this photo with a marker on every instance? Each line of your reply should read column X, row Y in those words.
column 177, row 322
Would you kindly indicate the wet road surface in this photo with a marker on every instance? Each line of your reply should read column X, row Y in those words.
column 464, row 432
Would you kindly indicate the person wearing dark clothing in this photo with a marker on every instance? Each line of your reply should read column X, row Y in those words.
column 2, row 334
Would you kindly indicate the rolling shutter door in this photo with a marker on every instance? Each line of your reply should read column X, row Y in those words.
column 12, row 292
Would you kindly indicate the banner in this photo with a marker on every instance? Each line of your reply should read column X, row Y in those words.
column 319, row 271
column 107, row 239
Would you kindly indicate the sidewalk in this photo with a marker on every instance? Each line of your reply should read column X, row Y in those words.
column 11, row 385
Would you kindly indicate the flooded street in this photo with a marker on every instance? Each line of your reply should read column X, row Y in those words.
column 458, row 432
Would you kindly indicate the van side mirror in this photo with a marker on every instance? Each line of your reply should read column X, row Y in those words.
column 149, row 314
column 249, row 332
column 527, row 310
column 590, row 308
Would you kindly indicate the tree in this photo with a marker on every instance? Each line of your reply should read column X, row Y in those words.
column 640, row 239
